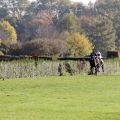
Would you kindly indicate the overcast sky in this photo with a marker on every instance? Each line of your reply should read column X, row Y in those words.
column 84, row 1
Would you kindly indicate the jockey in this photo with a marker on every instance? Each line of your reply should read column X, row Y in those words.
column 93, row 60
column 96, row 59
column 101, row 62
column 99, row 56
column 93, row 54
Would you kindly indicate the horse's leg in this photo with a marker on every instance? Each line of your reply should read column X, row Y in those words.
column 98, row 67
column 102, row 65
column 91, row 67
column 96, row 70
column 91, row 70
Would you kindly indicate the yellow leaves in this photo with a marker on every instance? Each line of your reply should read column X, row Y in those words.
column 1, row 53
column 79, row 45
column 7, row 32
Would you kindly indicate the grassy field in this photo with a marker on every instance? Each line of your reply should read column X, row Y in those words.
column 61, row 98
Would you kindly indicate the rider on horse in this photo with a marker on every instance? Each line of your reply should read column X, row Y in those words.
column 96, row 60
column 101, row 62
column 93, row 57
column 99, row 56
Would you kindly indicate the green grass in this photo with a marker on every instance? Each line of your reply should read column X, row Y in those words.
column 61, row 98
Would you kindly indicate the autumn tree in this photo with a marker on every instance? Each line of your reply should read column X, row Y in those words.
column 3, row 13
column 68, row 23
column 78, row 9
column 79, row 45
column 7, row 33
column 15, row 8
column 40, row 47
column 100, row 31
column 103, row 35
column 110, row 9
column 87, row 25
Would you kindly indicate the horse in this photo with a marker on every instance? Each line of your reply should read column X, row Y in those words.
column 95, row 65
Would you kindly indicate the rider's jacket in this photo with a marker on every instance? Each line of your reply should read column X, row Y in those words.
column 99, row 55
column 93, row 55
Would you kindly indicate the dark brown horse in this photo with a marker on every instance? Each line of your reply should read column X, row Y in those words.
column 95, row 65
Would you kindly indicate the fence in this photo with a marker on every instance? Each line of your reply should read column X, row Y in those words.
column 20, row 68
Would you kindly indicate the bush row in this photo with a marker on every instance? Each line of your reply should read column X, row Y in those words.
column 31, row 68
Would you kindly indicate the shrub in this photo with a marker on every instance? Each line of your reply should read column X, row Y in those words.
column 7, row 33
column 1, row 53
column 44, row 47
column 15, row 49
column 79, row 45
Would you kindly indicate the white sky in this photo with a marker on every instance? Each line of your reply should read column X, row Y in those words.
column 84, row 1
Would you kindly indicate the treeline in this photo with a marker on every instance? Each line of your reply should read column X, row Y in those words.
column 58, row 27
